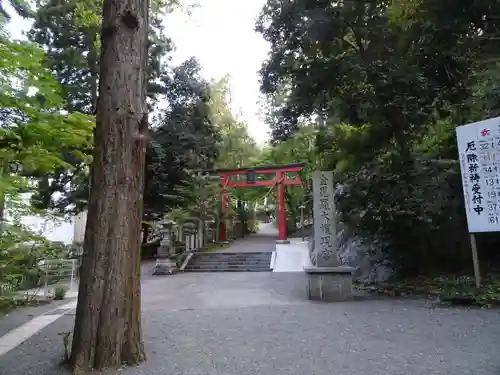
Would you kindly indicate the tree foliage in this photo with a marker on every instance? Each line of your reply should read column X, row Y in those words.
column 33, row 129
column 70, row 32
column 236, row 147
column 35, row 138
column 223, row 142
column 183, row 138
column 351, row 61
column 21, row 7
column 386, row 83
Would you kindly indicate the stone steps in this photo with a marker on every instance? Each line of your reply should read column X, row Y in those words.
column 240, row 253
column 230, row 262
column 228, row 270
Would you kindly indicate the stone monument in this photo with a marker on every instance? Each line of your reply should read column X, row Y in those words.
column 164, row 264
column 328, row 280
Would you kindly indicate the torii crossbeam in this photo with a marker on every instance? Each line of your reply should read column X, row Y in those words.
column 279, row 180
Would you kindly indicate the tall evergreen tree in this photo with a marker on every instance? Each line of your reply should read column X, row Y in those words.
column 183, row 139
column 70, row 32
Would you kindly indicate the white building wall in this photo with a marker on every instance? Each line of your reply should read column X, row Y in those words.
column 79, row 227
column 53, row 229
column 80, row 221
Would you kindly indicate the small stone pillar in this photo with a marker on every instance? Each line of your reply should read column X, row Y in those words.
column 189, row 231
column 164, row 264
column 328, row 280
column 181, row 232
column 210, row 232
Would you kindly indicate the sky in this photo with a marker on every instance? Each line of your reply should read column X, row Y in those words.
column 220, row 34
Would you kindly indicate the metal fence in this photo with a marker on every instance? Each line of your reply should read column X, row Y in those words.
column 48, row 272
column 59, row 270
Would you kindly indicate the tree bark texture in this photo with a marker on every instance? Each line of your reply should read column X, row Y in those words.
column 107, row 329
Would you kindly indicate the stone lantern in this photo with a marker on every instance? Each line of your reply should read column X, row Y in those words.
column 164, row 264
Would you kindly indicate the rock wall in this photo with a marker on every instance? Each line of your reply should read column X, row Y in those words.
column 367, row 258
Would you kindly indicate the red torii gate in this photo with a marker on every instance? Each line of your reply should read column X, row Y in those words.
column 280, row 180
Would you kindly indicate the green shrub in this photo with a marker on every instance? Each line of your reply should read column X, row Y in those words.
column 7, row 303
column 414, row 215
column 462, row 291
column 60, row 292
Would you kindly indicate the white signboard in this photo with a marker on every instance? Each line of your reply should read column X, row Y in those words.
column 479, row 152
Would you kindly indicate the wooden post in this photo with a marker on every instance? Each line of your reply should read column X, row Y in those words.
column 302, row 221
column 475, row 260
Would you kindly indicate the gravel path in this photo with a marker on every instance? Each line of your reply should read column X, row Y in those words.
column 248, row 323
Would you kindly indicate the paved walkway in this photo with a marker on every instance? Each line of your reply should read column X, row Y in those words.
column 264, row 240
column 263, row 324
column 247, row 323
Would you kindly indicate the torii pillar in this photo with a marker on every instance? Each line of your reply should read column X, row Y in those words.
column 280, row 199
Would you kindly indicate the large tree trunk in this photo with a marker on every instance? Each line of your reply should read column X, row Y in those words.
column 107, row 329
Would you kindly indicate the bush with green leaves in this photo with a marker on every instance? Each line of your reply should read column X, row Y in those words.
column 21, row 253
column 60, row 292
column 415, row 214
